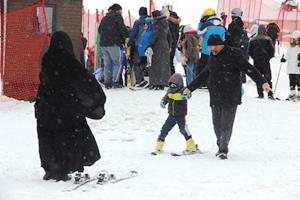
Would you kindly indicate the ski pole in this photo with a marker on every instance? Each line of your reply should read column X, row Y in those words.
column 278, row 75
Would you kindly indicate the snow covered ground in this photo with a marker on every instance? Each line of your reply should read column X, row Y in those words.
column 264, row 159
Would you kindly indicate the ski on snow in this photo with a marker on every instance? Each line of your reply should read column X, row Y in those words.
column 104, row 177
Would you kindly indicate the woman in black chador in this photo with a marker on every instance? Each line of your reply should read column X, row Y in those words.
column 66, row 96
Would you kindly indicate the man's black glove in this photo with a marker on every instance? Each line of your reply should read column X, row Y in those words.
column 283, row 60
column 298, row 57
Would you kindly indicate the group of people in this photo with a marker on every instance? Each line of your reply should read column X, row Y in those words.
column 68, row 93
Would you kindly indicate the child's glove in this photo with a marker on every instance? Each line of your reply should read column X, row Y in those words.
column 186, row 97
column 283, row 60
column 162, row 104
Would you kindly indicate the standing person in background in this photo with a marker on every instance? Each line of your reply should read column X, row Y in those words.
column 113, row 34
column 159, row 45
column 253, row 30
column 134, row 38
column 224, row 18
column 67, row 94
column 293, row 66
column 261, row 51
column 174, row 21
column 209, row 24
column 235, row 28
column 83, row 47
column 190, row 49
column 272, row 31
column 223, row 72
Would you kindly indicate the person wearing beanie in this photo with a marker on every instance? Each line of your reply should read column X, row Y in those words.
column 139, row 62
column 112, row 38
column 293, row 66
column 261, row 51
column 177, row 110
column 209, row 24
column 224, row 85
column 115, row 7
column 190, row 52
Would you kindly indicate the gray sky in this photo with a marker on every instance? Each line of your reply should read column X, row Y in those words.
column 189, row 10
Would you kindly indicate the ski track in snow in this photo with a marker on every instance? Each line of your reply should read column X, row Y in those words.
column 264, row 158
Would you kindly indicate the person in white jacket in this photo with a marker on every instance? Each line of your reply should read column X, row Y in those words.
column 253, row 30
column 293, row 66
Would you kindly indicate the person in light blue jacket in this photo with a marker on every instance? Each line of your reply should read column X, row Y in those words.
column 145, row 36
column 209, row 25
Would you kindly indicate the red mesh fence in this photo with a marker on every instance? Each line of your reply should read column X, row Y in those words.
column 264, row 11
column 24, row 41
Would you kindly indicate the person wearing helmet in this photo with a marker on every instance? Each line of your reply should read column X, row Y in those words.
column 235, row 28
column 293, row 67
column 174, row 21
column 209, row 24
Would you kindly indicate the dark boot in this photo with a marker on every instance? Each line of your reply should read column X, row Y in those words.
column 47, row 176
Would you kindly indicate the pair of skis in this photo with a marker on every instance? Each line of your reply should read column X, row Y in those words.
column 104, row 177
column 177, row 154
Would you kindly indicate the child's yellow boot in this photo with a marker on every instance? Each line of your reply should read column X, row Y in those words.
column 159, row 145
column 191, row 146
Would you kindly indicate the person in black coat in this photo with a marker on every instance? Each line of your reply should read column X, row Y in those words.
column 235, row 28
column 224, row 85
column 261, row 51
column 174, row 21
column 67, row 94
column 160, row 43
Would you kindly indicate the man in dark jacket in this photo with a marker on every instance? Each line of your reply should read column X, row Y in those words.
column 134, row 38
column 224, row 85
column 235, row 28
column 261, row 51
column 113, row 34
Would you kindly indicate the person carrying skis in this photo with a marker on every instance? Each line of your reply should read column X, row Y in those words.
column 224, row 85
column 177, row 110
column 293, row 66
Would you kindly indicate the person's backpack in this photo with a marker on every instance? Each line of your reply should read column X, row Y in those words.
column 244, row 43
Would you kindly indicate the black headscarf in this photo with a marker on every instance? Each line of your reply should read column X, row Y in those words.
column 61, row 43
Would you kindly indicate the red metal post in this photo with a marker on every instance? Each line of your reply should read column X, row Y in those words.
column 46, row 22
column 259, row 10
column 150, row 7
column 249, row 9
column 2, row 40
column 297, row 17
column 97, row 16
column 82, row 22
column 88, row 27
column 129, row 18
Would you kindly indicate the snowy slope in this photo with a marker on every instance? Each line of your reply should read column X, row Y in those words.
column 264, row 159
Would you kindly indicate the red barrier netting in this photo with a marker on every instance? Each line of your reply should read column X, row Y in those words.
column 25, row 39
column 264, row 12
